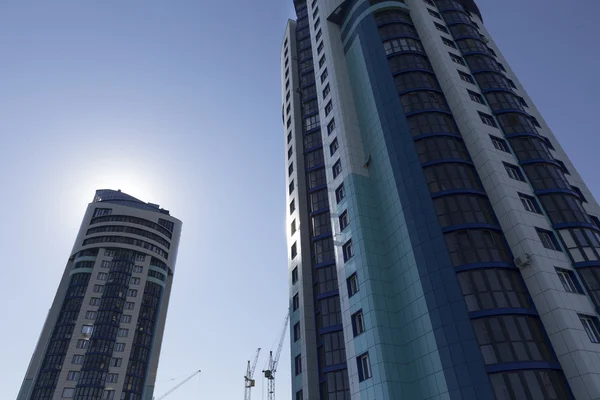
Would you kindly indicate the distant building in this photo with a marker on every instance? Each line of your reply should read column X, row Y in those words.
column 441, row 244
column 103, row 333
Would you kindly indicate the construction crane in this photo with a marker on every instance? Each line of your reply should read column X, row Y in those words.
column 273, row 361
column 249, row 381
column 177, row 386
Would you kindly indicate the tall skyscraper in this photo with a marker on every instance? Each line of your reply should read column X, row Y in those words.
column 102, row 336
column 441, row 243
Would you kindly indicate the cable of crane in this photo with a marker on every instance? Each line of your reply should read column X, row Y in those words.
column 180, row 384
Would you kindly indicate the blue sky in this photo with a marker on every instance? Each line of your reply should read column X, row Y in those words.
column 179, row 103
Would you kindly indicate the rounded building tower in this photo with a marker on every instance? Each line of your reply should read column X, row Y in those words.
column 103, row 333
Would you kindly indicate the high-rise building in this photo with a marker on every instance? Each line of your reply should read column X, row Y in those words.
column 441, row 243
column 102, row 335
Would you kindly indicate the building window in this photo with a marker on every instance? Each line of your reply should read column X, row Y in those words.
column 333, row 147
column 105, row 264
column 440, row 28
column 548, row 239
column 326, row 91
column 328, row 108
column 112, row 378
column 297, row 331
column 134, row 281
column 331, row 126
column 448, row 42
column 344, row 220
column 317, row 23
column 122, row 332
column 120, row 347
column 132, row 292
column 358, row 323
column 466, row 77
column 109, row 253
column 73, row 375
column 298, row 365
column 77, row 359
column 299, row 395
column 291, row 187
column 324, row 75
column 487, row 119
column 595, row 220
column 563, row 167
column 289, row 137
column 87, row 329
column 98, row 288
column 430, row 2
column 102, row 276
column 296, row 302
column 138, row 269
column 530, row 203
column 293, row 227
column 295, row 275
column 569, row 281
column 457, row 59
column 90, row 314
column 83, row 343
column 352, row 283
column 322, row 61
column 290, row 152
column 514, row 172
column 340, row 193
column 348, row 250
column 320, row 48
column 318, row 35
column 290, row 169
column 294, row 251
column 125, row 318
column 68, row 393
column 364, row 367
column 129, row 305
column 337, row 168
column 500, row 144
column 434, row 14
column 590, row 325
column 292, row 206
column 476, row 97
column 116, row 362
column 579, row 193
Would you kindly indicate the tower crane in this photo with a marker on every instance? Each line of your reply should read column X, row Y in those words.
column 249, row 381
column 178, row 386
column 273, row 361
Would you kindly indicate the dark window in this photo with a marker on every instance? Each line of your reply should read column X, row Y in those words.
column 333, row 147
column 451, row 176
column 448, row 42
column 563, row 167
column 511, row 338
column 440, row 28
column 297, row 331
column 318, row 200
column 482, row 63
column 340, row 193
column 324, row 75
column 294, row 251
column 295, row 275
column 321, row 224
column 500, row 144
column 530, row 384
column 457, row 59
column 402, row 44
column 311, row 122
column 320, row 48
column 318, row 35
column 293, row 227
column 415, row 80
column 326, row 91
column 290, row 169
column 298, row 365
column 322, row 61
column 333, row 351
column 476, row 97
column 392, row 16
column 403, row 62
column 492, row 288
column 316, row 178
column 314, row 158
column 312, row 140
column 348, row 250
column 290, row 152
column 583, row 244
column 330, row 314
column 562, row 208
column 291, row 187
column 516, row 123
column 292, row 206
column 579, row 193
column 296, row 302
column 491, row 80
column 502, row 101
column 466, row 77
column 423, row 100
column 463, row 209
column 331, row 126
column 530, row 148
column 352, row 283
column 473, row 246
column 595, row 220
column 299, row 395
column 568, row 280
column 337, row 168
column 422, row 124
column 591, row 280
column 514, row 172
column 323, row 251
column 326, row 279
column 548, row 239
column 472, row 45
column 344, row 220
column 530, row 203
column 289, row 137
column 434, row 14
column 364, row 367
column 397, row 30
column 463, row 30
column 441, row 148
column 452, row 17
column 487, row 119
column 358, row 323
column 591, row 327
column 546, row 176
